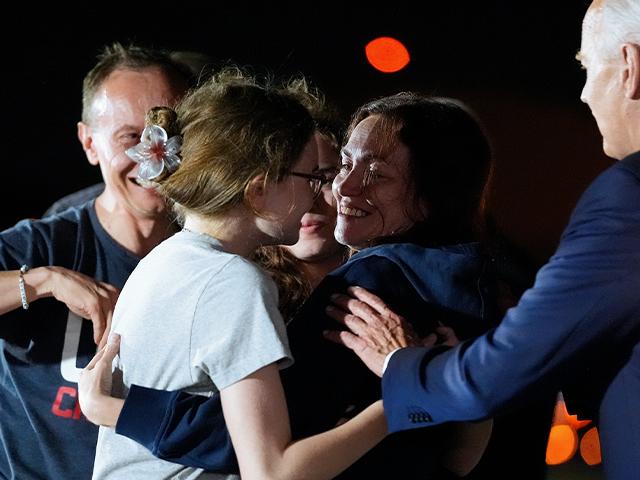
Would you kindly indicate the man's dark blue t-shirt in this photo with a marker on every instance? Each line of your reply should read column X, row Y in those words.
column 43, row 433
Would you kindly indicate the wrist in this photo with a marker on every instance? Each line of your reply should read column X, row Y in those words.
column 112, row 413
column 105, row 411
column 387, row 358
column 37, row 283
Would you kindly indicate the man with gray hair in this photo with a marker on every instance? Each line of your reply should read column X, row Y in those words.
column 59, row 277
column 579, row 324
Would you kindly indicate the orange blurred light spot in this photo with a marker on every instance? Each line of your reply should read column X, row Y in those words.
column 562, row 444
column 387, row 54
column 590, row 447
column 563, row 437
column 561, row 415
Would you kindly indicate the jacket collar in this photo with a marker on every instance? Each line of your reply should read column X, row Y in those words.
column 632, row 163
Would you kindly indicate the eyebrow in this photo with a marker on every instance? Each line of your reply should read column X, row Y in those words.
column 366, row 157
column 126, row 128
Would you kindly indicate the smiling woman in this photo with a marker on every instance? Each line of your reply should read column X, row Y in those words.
column 371, row 187
column 426, row 152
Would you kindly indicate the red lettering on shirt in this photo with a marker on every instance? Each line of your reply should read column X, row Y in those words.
column 66, row 403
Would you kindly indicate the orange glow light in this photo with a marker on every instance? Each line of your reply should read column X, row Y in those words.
column 562, row 444
column 563, row 438
column 387, row 54
column 590, row 447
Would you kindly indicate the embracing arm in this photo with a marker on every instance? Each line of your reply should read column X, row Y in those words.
column 179, row 427
column 174, row 426
column 257, row 418
column 463, row 443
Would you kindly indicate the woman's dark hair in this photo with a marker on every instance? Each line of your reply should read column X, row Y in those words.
column 450, row 163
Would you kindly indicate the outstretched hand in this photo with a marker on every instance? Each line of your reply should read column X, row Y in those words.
column 94, row 386
column 374, row 329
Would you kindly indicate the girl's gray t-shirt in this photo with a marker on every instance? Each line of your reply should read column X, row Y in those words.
column 191, row 317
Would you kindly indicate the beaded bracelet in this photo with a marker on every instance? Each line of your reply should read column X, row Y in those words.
column 23, row 293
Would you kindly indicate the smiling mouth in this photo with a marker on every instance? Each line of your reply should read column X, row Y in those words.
column 352, row 212
column 138, row 182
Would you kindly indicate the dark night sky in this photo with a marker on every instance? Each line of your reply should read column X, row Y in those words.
column 511, row 61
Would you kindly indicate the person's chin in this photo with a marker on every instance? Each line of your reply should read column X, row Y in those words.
column 350, row 239
column 153, row 207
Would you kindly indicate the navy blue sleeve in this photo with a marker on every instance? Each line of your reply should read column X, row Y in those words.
column 27, row 243
column 179, row 427
column 23, row 244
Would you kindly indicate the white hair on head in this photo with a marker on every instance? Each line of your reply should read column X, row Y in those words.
column 619, row 23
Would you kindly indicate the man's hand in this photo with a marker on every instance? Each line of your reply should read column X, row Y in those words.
column 94, row 386
column 375, row 330
column 85, row 297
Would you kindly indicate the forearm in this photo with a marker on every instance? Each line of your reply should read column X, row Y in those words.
column 327, row 454
column 35, row 283
column 104, row 411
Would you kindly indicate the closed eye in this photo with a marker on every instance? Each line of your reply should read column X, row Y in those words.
column 129, row 138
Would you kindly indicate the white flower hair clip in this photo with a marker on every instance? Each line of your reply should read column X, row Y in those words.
column 156, row 153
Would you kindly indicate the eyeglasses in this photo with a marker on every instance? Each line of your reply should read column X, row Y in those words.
column 316, row 181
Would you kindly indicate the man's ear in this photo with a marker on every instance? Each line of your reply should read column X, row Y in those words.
column 85, row 136
column 631, row 73
column 255, row 194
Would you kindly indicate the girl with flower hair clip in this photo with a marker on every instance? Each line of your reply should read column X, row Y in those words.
column 245, row 179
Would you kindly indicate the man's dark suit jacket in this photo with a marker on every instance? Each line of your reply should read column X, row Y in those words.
column 579, row 324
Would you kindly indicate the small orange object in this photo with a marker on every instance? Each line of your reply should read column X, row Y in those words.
column 563, row 437
column 562, row 444
column 590, row 447
column 387, row 54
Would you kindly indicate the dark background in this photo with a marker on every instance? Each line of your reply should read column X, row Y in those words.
column 512, row 62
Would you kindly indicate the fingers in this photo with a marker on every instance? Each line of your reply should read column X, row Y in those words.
column 107, row 353
column 356, row 325
column 356, row 307
column 368, row 314
column 96, row 358
column 372, row 300
column 101, row 335
column 87, row 298
column 100, row 311
column 104, row 335
column 345, row 338
column 111, row 349
column 354, row 322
